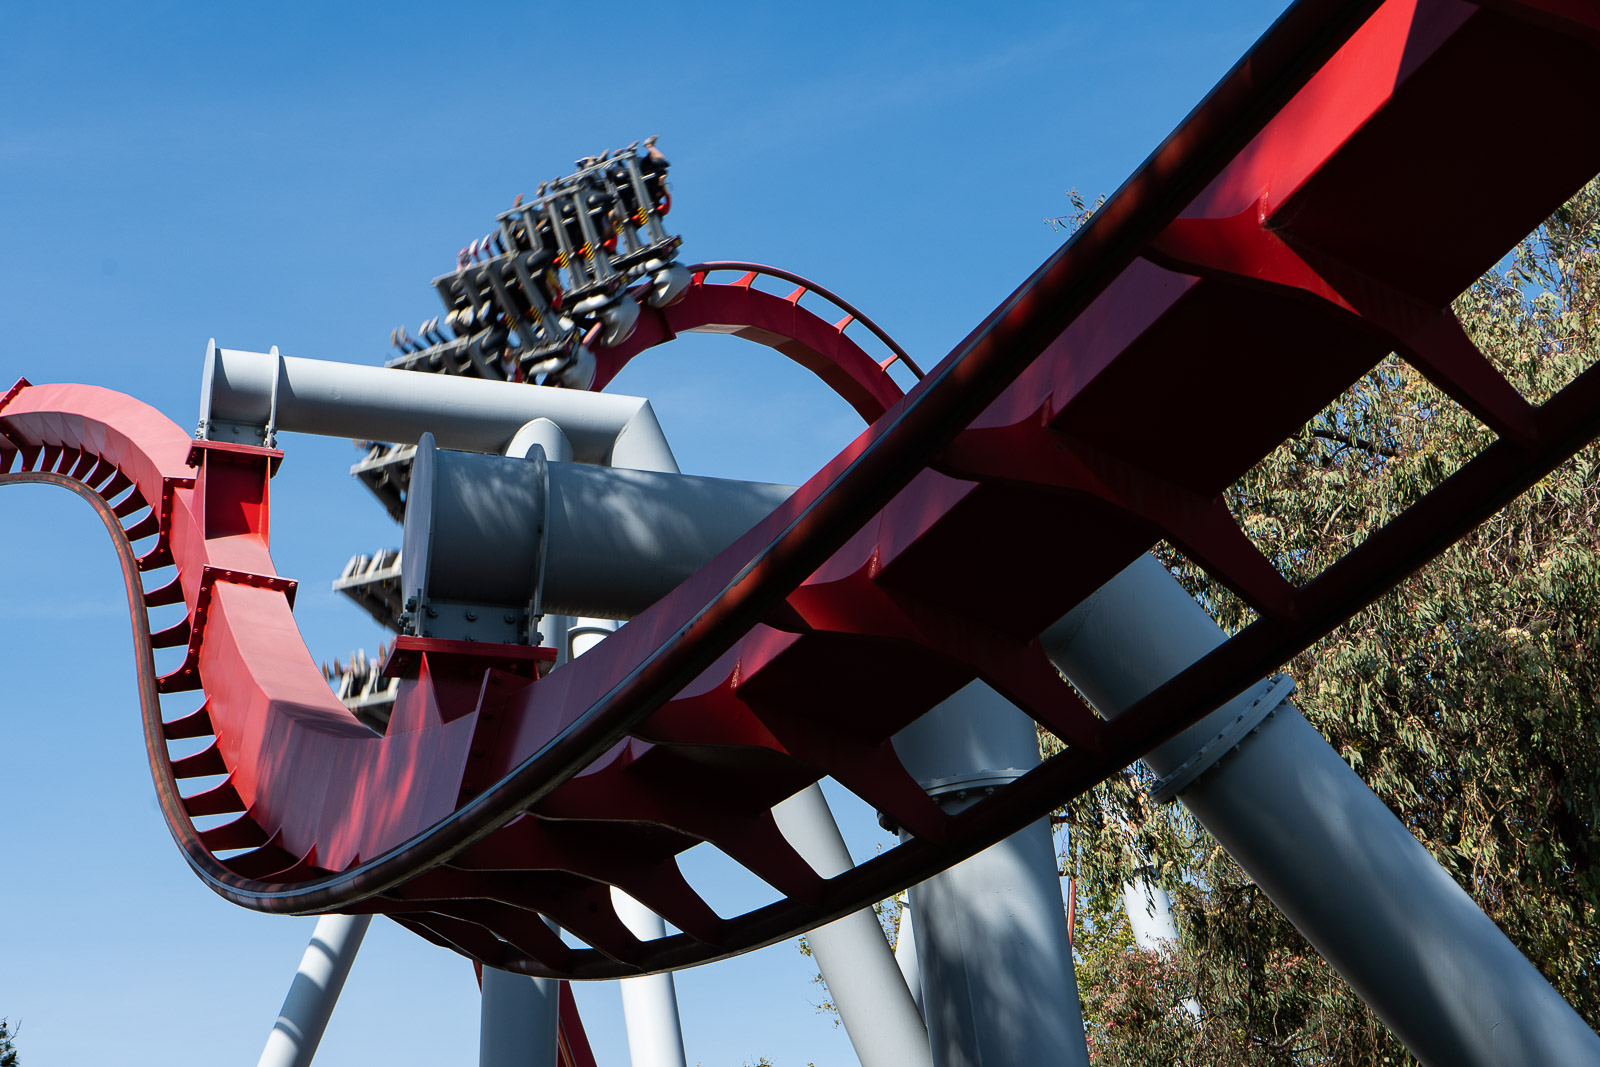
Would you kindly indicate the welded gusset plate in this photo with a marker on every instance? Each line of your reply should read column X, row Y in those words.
column 1316, row 212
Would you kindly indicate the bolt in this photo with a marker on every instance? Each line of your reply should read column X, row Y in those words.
column 432, row 614
column 510, row 616
column 472, row 616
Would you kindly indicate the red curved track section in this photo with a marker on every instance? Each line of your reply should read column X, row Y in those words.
column 778, row 322
column 1316, row 212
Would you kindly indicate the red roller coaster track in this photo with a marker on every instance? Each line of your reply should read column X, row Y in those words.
column 1317, row 211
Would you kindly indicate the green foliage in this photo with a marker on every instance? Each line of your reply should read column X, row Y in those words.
column 8, row 1045
column 1468, row 699
column 888, row 913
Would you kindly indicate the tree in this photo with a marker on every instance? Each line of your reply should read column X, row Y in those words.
column 1468, row 699
column 8, row 1045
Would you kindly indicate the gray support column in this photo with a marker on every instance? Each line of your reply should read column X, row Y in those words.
column 905, row 953
column 997, row 977
column 878, row 1011
column 1149, row 911
column 518, row 1021
column 519, row 1016
column 1323, row 847
column 650, row 1003
column 314, row 991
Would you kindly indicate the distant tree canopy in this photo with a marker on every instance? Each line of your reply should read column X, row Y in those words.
column 1468, row 699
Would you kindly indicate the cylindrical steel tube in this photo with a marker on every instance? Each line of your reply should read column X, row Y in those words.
column 650, row 1003
column 481, row 530
column 240, row 389
column 518, row 1020
column 314, row 991
column 1324, row 848
column 998, row 986
column 879, row 1014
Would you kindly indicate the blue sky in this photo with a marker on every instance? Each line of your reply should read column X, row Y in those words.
column 294, row 175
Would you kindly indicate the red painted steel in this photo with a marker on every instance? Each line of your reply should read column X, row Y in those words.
column 1317, row 211
column 778, row 322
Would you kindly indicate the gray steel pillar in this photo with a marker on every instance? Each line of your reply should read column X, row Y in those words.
column 518, row 1020
column 878, row 1011
column 649, row 1003
column 998, row 985
column 519, row 1016
column 314, row 991
column 1149, row 911
column 1323, row 847
column 905, row 954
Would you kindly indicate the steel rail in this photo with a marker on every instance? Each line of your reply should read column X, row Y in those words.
column 155, row 742
column 759, row 269
column 970, row 378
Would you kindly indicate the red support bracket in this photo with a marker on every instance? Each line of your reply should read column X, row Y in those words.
column 1030, row 453
column 1244, row 249
column 187, row 675
column 160, row 554
column 405, row 657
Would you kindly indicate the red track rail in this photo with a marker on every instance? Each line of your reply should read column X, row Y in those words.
column 778, row 322
column 1317, row 211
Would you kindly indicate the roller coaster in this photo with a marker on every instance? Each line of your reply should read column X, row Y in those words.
column 489, row 788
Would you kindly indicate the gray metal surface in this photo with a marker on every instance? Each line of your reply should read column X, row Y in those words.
column 649, row 1004
column 314, row 991
column 544, row 433
column 1149, row 909
column 998, row 987
column 399, row 406
column 877, row 1009
column 1324, row 848
column 517, row 1021
column 483, row 534
column 472, row 549
column 619, row 540
column 905, row 953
